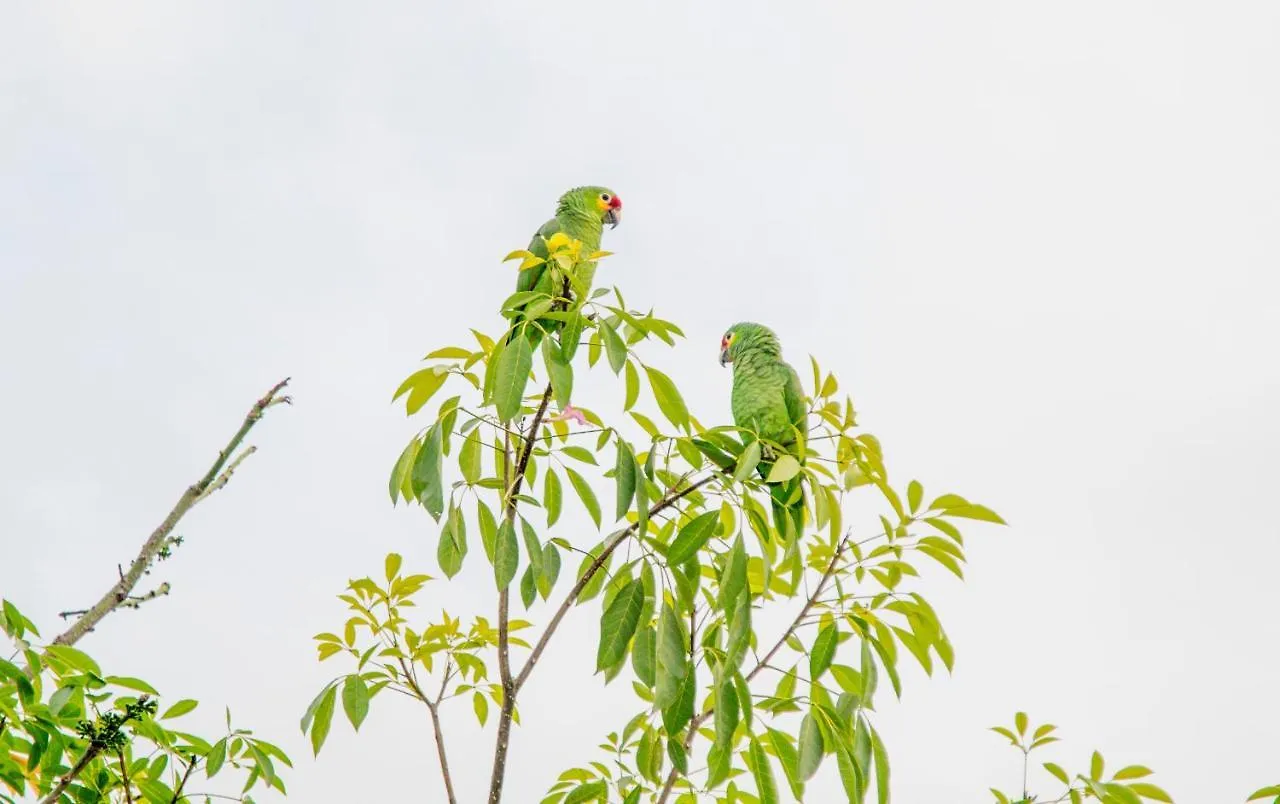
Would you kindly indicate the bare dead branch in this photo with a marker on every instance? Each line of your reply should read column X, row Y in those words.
column 119, row 593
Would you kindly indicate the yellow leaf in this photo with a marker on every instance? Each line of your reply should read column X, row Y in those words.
column 786, row 468
column 517, row 254
column 558, row 241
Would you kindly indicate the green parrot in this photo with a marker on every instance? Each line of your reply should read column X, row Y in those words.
column 581, row 213
column 768, row 401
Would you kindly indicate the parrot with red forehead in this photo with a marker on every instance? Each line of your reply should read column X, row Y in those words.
column 581, row 214
column 768, row 403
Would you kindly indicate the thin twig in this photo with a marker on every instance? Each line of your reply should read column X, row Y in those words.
column 177, row 791
column 762, row 663
column 67, row 778
column 506, row 711
column 595, row 567
column 118, row 594
column 124, row 776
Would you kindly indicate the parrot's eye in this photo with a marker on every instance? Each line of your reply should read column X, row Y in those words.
column 728, row 337
column 604, row 197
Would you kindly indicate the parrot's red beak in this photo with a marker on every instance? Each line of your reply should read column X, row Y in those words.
column 613, row 215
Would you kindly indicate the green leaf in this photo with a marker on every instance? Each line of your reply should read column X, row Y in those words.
column 528, row 586
column 1132, row 772
column 355, row 700
column 811, row 747
column 506, row 558
column 618, row 625
column 571, row 335
column 786, row 468
column 587, row 792
column 727, row 710
column 550, row 570
column 469, row 457
column 481, row 706
column 625, row 477
column 559, row 371
column 719, row 765
column 1020, row 723
column 1096, row 766
column 643, row 655
column 488, row 529
column 427, row 473
column 1265, row 792
column 585, row 494
column 692, row 537
column 75, row 658
column 915, row 492
column 789, row 760
column 679, row 760
column 323, row 719
column 762, row 772
column 1058, row 773
column 451, row 549
column 633, row 386
column 180, row 708
column 514, row 364
column 421, row 386
column 824, row 650
column 979, row 512
column 613, row 346
column 400, row 473
column 672, row 656
column 579, row 454
column 1147, row 790
column 217, row 756
column 552, row 496
column 668, row 396
column 747, row 462
column 680, row 712
column 132, row 684
column 733, row 580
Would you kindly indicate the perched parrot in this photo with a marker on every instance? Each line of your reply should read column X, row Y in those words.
column 768, row 401
column 581, row 214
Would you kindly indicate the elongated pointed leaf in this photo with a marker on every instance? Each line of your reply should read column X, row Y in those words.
column 585, row 494
column 514, row 364
column 625, row 477
column 618, row 625
column 668, row 396
column 747, row 461
column 824, row 649
column 355, row 700
column 762, row 773
column 427, row 472
column 811, row 747
column 692, row 537
column 673, row 657
column 506, row 558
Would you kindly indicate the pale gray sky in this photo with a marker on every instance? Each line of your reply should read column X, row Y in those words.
column 1037, row 241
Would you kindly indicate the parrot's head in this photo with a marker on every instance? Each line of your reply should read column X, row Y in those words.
column 748, row 337
column 598, row 201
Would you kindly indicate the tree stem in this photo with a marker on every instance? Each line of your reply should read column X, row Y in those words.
column 213, row 479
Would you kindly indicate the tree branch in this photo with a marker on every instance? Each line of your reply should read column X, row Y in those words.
column 666, row 502
column 67, row 778
column 444, row 758
column 177, row 791
column 697, row 722
column 504, row 604
column 215, row 478
column 124, row 775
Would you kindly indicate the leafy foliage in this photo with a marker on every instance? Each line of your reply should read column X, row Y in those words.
column 1128, row 785
column 689, row 558
column 61, row 716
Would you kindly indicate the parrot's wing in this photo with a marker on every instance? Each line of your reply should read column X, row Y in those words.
column 797, row 408
column 528, row 280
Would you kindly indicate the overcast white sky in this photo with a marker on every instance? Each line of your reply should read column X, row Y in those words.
column 1037, row 241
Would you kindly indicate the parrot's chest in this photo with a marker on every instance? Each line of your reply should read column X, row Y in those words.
column 758, row 405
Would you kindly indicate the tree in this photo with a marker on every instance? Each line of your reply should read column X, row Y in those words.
column 71, row 733
column 687, row 561
column 1128, row 785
